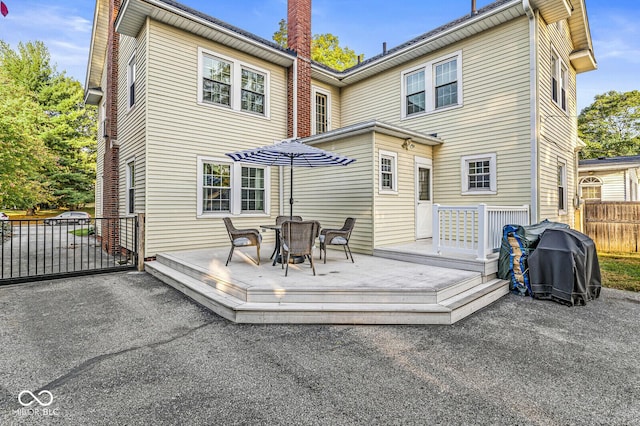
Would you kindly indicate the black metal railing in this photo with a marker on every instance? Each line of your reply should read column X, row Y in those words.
column 41, row 249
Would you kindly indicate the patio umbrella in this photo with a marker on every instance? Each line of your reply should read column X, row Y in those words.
column 290, row 153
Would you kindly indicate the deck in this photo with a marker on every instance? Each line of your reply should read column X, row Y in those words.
column 373, row 290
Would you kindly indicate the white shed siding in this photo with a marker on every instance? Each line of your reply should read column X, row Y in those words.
column 395, row 213
column 331, row 194
column 180, row 129
column 494, row 117
column 558, row 129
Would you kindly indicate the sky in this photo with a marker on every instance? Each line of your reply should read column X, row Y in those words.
column 65, row 28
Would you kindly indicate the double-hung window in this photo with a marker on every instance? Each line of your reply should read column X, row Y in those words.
column 559, row 81
column 216, row 81
column 231, row 188
column 321, row 111
column 230, row 83
column 131, row 80
column 478, row 174
column 131, row 186
column 562, row 187
column 432, row 86
column 388, row 172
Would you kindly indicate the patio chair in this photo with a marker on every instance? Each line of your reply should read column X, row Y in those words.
column 242, row 238
column 298, row 239
column 281, row 219
column 337, row 237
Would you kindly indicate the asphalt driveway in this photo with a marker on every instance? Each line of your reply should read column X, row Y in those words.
column 124, row 348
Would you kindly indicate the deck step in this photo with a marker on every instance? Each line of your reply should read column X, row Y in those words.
column 454, row 302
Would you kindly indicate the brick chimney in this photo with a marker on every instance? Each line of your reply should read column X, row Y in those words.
column 111, row 173
column 299, row 40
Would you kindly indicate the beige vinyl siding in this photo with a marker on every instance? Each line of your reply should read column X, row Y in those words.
column 395, row 213
column 131, row 122
column 494, row 118
column 99, row 185
column 331, row 194
column 336, row 103
column 180, row 130
column 558, row 129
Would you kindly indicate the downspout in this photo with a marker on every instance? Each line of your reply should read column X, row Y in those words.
column 533, row 89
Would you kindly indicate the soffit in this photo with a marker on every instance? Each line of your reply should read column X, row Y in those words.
column 98, row 47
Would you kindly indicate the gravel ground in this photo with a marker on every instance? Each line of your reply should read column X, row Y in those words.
column 124, row 348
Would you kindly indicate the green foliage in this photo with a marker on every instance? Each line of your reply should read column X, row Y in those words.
column 325, row 48
column 49, row 143
column 610, row 126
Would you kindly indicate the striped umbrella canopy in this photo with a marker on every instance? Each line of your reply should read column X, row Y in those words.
column 291, row 153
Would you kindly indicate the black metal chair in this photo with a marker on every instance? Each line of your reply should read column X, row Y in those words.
column 242, row 238
column 337, row 237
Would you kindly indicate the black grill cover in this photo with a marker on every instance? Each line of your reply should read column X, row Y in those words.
column 564, row 267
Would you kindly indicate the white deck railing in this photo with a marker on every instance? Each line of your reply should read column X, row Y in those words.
column 474, row 229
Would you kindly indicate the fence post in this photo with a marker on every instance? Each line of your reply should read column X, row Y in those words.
column 435, row 231
column 483, row 231
column 140, row 249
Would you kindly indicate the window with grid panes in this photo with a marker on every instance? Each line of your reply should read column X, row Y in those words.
column 253, row 189
column 253, row 90
column 479, row 174
column 216, row 187
column 216, row 81
column 321, row 113
column 415, row 89
column 386, row 172
column 446, row 87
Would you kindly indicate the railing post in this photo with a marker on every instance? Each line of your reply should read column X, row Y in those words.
column 483, row 232
column 435, row 239
column 140, row 249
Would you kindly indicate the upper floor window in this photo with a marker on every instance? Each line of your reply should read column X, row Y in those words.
column 559, row 81
column 432, row 86
column 230, row 83
column 321, row 111
column 478, row 174
column 562, row 187
column 591, row 188
column 131, row 80
column 232, row 188
column 388, row 172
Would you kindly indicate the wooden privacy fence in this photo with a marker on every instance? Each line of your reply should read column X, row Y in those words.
column 613, row 225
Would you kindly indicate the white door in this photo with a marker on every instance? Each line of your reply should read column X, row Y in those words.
column 424, row 197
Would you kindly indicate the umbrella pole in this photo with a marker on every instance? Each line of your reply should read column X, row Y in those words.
column 291, row 192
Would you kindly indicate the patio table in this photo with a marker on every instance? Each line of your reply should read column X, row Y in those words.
column 276, row 251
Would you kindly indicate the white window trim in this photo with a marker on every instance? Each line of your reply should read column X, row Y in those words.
column 131, row 79
column 129, row 186
column 236, row 84
column 464, row 174
column 103, row 119
column 236, row 189
column 327, row 93
column 591, row 182
column 562, row 72
column 430, row 99
column 565, row 185
column 394, row 171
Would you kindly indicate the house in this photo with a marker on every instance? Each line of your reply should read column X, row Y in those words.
column 610, row 179
column 472, row 119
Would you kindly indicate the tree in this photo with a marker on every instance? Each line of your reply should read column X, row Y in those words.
column 59, row 129
column 325, row 48
column 610, row 126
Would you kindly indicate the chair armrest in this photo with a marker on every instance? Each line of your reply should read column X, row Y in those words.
column 333, row 233
column 252, row 234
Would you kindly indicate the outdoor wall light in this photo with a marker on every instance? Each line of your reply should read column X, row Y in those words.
column 408, row 144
